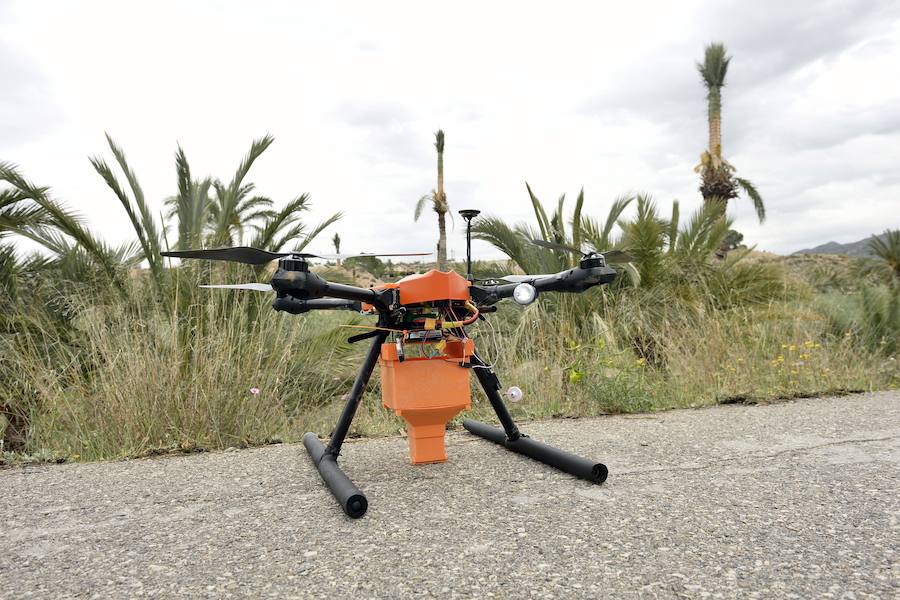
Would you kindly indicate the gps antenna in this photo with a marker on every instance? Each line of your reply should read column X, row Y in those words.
column 469, row 214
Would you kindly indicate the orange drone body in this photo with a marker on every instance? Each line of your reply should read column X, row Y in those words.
column 428, row 391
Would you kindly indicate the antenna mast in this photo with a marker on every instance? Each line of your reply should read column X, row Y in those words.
column 468, row 215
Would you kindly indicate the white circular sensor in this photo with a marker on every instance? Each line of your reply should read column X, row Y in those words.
column 524, row 294
column 514, row 394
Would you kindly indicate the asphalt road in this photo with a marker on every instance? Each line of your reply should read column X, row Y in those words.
column 800, row 499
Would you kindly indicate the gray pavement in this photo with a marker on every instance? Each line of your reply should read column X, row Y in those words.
column 799, row 499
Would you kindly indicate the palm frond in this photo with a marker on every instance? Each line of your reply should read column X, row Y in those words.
column 496, row 232
column 256, row 149
column 276, row 221
column 887, row 248
column 420, row 205
column 148, row 223
column 644, row 239
column 714, row 67
column 191, row 207
column 754, row 196
column 226, row 216
column 558, row 222
column 319, row 229
column 539, row 213
column 64, row 222
column 576, row 220
column 673, row 227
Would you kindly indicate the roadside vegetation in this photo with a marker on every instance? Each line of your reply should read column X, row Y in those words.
column 111, row 351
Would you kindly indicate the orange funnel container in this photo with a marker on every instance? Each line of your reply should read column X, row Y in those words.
column 427, row 393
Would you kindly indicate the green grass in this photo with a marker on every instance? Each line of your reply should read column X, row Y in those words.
column 133, row 384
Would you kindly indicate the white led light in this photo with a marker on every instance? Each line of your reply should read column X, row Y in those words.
column 524, row 294
column 514, row 394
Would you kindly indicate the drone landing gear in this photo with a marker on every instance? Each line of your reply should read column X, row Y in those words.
column 354, row 502
column 512, row 439
column 351, row 499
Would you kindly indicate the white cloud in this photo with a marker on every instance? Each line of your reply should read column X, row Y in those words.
column 580, row 94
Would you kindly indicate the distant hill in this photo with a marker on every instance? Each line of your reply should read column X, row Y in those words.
column 860, row 248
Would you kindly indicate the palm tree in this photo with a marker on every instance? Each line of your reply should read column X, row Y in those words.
column 233, row 208
column 28, row 210
column 232, row 212
column 17, row 211
column 280, row 227
column 438, row 203
column 887, row 248
column 515, row 241
column 718, row 182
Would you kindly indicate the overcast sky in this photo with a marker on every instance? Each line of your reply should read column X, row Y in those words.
column 603, row 96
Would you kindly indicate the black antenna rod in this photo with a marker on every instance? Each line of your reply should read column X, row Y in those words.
column 469, row 214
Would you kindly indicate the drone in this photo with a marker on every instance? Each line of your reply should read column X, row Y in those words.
column 421, row 345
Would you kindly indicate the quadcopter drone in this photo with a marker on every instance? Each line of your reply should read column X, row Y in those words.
column 421, row 344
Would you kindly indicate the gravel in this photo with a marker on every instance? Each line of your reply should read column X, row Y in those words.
column 790, row 500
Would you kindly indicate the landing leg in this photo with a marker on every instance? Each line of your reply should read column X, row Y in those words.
column 510, row 438
column 351, row 499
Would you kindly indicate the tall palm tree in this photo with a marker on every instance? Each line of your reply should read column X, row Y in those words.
column 439, row 204
column 336, row 240
column 718, row 182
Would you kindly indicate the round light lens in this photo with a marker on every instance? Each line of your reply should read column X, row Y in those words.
column 524, row 294
column 514, row 394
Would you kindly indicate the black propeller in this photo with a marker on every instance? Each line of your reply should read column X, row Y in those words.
column 239, row 254
column 255, row 256
column 613, row 256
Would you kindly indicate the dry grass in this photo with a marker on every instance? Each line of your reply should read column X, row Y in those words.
column 125, row 380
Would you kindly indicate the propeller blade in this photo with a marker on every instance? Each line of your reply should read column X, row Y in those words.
column 361, row 254
column 555, row 246
column 617, row 256
column 256, row 287
column 240, row 254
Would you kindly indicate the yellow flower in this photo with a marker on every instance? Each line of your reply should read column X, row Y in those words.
column 780, row 358
column 641, row 361
column 808, row 344
column 791, row 348
column 804, row 356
